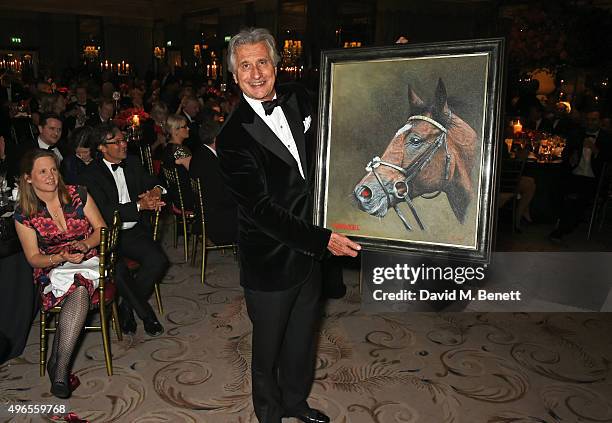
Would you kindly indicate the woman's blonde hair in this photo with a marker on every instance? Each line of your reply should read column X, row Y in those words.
column 173, row 123
column 28, row 200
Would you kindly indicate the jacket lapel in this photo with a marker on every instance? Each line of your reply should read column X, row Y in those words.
column 261, row 133
column 292, row 113
column 108, row 177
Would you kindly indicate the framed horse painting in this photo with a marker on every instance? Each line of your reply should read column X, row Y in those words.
column 406, row 147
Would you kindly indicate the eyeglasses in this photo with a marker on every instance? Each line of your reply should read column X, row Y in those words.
column 117, row 141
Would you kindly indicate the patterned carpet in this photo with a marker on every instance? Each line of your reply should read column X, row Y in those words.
column 419, row 367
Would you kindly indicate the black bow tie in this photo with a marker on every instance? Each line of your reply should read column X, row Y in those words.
column 52, row 147
column 115, row 166
column 270, row 105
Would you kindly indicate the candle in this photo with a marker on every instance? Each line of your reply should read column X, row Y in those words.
column 517, row 127
column 136, row 120
column 127, row 68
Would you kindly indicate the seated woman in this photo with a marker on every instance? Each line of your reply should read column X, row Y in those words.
column 81, row 144
column 178, row 156
column 57, row 224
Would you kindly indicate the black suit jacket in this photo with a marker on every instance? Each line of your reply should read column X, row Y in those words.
column 101, row 185
column 220, row 210
column 26, row 144
column 574, row 149
column 278, row 243
column 194, row 137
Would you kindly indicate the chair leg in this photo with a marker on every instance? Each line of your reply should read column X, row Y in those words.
column 203, row 267
column 115, row 317
column 194, row 248
column 175, row 230
column 185, row 242
column 160, row 306
column 105, row 337
column 43, row 342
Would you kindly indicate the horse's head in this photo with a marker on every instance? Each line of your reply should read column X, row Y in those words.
column 416, row 161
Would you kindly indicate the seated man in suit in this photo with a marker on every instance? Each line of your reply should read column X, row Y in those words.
column 119, row 182
column 220, row 210
column 106, row 110
column 49, row 138
column 79, row 111
column 190, row 109
column 585, row 154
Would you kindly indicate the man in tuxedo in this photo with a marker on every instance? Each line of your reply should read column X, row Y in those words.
column 585, row 154
column 78, row 112
column 119, row 182
column 221, row 213
column 191, row 109
column 106, row 110
column 265, row 158
column 49, row 138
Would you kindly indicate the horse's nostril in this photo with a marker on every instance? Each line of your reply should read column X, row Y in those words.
column 365, row 193
column 401, row 189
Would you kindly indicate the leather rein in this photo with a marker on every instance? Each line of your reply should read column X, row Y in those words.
column 401, row 188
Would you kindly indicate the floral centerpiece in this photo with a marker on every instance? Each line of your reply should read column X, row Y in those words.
column 130, row 117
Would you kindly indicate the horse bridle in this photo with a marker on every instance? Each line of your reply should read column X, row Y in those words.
column 400, row 188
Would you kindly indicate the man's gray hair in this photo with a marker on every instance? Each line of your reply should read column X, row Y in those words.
column 251, row 36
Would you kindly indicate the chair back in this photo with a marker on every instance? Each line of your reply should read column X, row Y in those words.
column 108, row 249
column 511, row 172
column 146, row 158
column 172, row 179
column 196, row 188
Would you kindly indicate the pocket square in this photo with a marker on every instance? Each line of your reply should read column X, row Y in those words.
column 307, row 123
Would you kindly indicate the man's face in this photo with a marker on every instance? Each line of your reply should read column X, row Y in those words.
column 192, row 108
column 114, row 149
column 592, row 121
column 255, row 73
column 51, row 132
column 81, row 95
column 106, row 111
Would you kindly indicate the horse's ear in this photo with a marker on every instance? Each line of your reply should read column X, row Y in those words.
column 415, row 100
column 440, row 104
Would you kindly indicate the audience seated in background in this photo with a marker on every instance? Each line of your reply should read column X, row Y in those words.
column 178, row 156
column 59, row 224
column 220, row 210
column 586, row 152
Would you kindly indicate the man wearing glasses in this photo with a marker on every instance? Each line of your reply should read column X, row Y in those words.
column 120, row 182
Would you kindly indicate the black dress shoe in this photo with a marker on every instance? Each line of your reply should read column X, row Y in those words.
column 152, row 327
column 311, row 415
column 60, row 389
column 126, row 319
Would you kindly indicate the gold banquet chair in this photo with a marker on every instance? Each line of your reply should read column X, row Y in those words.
column 196, row 187
column 106, row 290
column 180, row 216
column 146, row 158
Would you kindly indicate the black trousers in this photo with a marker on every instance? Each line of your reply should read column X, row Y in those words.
column 283, row 347
column 137, row 244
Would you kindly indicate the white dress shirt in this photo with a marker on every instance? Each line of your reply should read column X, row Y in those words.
column 277, row 122
column 585, row 167
column 122, row 189
column 45, row 146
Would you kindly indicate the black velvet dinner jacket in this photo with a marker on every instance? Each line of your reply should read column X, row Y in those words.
column 101, row 185
column 278, row 243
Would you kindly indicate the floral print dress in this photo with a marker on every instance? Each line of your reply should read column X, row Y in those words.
column 51, row 240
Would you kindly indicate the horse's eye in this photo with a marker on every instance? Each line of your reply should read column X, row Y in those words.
column 414, row 139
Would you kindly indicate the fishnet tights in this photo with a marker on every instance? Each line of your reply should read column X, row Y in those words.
column 68, row 329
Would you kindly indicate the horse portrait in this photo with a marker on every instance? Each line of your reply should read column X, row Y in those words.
column 433, row 152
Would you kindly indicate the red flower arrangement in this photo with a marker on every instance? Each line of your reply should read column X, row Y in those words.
column 126, row 117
